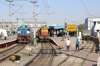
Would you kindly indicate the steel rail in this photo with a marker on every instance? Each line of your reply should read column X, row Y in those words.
column 11, row 51
column 88, row 54
column 45, row 56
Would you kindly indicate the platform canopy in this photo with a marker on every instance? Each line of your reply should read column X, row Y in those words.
column 59, row 27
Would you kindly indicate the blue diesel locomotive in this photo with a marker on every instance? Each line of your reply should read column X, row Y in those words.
column 24, row 34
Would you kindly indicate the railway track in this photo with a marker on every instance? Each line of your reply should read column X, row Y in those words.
column 74, row 59
column 91, row 48
column 88, row 46
column 11, row 51
column 45, row 56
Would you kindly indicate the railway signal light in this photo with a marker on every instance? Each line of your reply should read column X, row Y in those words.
column 65, row 25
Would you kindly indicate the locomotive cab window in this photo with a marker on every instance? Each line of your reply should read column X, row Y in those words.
column 28, row 29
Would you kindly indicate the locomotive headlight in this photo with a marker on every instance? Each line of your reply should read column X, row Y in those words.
column 19, row 31
column 28, row 31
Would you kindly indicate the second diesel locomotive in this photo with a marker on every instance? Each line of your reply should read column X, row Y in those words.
column 86, row 34
column 43, row 34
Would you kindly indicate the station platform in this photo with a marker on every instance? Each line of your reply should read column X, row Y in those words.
column 59, row 42
column 9, row 39
column 3, row 42
column 91, row 59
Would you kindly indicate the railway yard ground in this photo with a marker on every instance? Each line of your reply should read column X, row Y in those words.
column 85, row 57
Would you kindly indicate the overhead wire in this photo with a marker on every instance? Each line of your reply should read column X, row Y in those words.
column 17, row 10
column 46, row 9
column 47, row 2
column 20, row 5
column 8, row 6
column 85, row 7
column 45, row 6
column 46, row 17
column 22, row 9
column 40, row 12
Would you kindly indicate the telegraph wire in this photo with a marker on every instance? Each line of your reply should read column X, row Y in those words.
column 85, row 7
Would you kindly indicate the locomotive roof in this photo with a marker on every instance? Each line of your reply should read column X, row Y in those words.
column 23, row 27
column 44, row 27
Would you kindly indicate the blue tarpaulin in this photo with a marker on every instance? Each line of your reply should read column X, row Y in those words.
column 59, row 27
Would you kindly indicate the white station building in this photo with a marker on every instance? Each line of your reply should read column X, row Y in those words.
column 89, row 24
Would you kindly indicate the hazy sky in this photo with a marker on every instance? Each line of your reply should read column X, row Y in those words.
column 60, row 10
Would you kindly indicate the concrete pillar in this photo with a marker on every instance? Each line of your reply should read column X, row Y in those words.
column 80, row 35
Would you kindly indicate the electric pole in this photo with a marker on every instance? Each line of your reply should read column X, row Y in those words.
column 34, row 13
column 65, row 27
column 9, row 6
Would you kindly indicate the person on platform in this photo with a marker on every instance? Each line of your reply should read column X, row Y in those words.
column 68, row 43
column 2, row 34
column 77, row 44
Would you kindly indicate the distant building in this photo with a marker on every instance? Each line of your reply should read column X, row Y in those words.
column 35, row 25
column 8, row 25
column 89, row 22
column 13, row 25
column 95, row 29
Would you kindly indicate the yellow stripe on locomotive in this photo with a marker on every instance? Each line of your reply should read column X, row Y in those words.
column 44, row 30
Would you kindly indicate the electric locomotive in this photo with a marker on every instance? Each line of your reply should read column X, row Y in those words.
column 24, row 34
